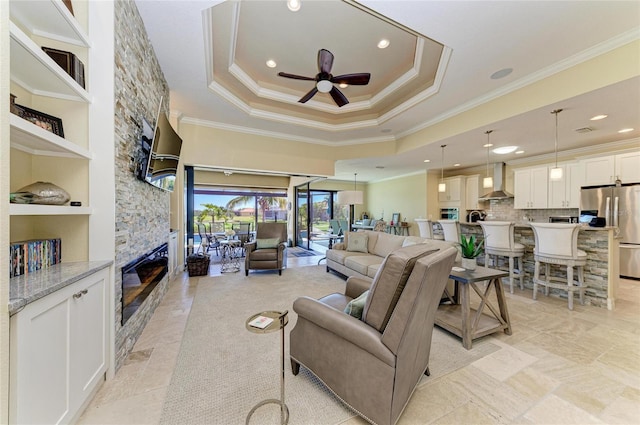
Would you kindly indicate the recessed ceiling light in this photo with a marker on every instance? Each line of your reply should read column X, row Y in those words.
column 518, row 152
column 271, row 63
column 501, row 74
column 487, row 145
column 625, row 130
column 427, row 160
column 504, row 150
column 598, row 117
column 383, row 44
column 294, row 5
column 456, row 165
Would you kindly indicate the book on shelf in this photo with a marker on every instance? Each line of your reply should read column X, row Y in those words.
column 261, row 322
column 29, row 256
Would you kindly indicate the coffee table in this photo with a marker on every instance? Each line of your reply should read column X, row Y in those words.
column 280, row 320
column 462, row 320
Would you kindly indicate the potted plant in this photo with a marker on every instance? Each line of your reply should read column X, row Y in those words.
column 470, row 248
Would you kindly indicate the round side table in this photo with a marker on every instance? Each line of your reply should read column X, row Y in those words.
column 280, row 320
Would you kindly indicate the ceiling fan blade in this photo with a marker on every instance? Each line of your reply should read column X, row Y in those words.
column 360, row 79
column 325, row 60
column 295, row 77
column 338, row 97
column 309, row 95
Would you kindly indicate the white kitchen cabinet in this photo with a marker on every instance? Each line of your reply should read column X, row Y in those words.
column 565, row 193
column 606, row 169
column 58, row 352
column 454, row 192
column 473, row 192
column 627, row 167
column 530, row 188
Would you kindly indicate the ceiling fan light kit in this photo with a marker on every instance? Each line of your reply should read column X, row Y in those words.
column 325, row 81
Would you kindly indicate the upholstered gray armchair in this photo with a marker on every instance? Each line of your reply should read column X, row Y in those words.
column 268, row 250
column 374, row 363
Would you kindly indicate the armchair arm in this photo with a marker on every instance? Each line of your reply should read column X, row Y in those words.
column 344, row 326
column 250, row 246
column 356, row 286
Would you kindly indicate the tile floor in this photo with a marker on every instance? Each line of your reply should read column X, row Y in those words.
column 558, row 367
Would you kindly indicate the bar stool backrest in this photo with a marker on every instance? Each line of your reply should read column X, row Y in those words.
column 556, row 239
column 451, row 229
column 498, row 235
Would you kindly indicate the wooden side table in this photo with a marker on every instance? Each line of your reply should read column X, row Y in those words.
column 280, row 320
column 462, row 320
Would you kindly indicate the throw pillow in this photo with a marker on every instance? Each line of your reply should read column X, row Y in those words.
column 356, row 305
column 267, row 243
column 357, row 242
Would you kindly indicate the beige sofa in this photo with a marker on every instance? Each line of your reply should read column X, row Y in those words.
column 354, row 260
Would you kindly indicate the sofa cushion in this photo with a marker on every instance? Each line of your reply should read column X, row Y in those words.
column 355, row 306
column 373, row 270
column 358, row 242
column 389, row 284
column 269, row 254
column 387, row 243
column 339, row 255
column 361, row 263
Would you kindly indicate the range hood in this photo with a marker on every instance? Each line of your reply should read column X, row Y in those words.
column 498, row 184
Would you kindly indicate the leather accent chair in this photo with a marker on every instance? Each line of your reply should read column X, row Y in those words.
column 272, row 256
column 373, row 364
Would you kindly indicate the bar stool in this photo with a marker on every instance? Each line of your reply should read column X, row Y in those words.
column 557, row 244
column 499, row 241
column 451, row 230
column 426, row 227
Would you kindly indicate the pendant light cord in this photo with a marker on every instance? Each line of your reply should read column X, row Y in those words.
column 556, row 112
column 488, row 132
column 442, row 164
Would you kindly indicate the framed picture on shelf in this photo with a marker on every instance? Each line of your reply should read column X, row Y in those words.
column 42, row 120
column 395, row 219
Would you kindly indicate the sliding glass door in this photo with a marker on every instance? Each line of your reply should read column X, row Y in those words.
column 315, row 208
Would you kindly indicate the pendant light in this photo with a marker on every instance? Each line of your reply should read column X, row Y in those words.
column 556, row 172
column 487, row 182
column 442, row 187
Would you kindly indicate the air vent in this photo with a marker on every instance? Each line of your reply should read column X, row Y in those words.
column 583, row 130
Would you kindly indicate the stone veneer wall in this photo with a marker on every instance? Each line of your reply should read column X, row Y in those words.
column 142, row 211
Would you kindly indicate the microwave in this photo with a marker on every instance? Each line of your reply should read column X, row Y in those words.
column 449, row 214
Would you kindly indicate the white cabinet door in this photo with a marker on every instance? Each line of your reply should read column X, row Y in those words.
column 627, row 167
column 598, row 171
column 565, row 193
column 87, row 347
column 453, row 191
column 530, row 188
column 58, row 352
column 39, row 385
column 472, row 186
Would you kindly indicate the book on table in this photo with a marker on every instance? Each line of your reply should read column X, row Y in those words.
column 261, row 322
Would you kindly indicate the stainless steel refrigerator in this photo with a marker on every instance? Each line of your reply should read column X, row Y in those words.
column 620, row 206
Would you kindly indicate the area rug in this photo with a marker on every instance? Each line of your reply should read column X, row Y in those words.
column 223, row 370
column 301, row 252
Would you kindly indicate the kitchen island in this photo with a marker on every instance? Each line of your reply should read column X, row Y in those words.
column 601, row 274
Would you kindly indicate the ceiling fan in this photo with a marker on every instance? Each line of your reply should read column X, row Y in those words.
column 324, row 80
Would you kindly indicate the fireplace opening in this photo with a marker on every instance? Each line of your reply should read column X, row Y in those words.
column 140, row 277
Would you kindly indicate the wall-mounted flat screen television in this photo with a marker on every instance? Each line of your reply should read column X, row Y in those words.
column 161, row 152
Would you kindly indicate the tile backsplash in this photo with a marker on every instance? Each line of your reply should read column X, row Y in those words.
column 502, row 209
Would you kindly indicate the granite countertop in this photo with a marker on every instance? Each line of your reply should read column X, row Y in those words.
column 28, row 288
column 527, row 224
